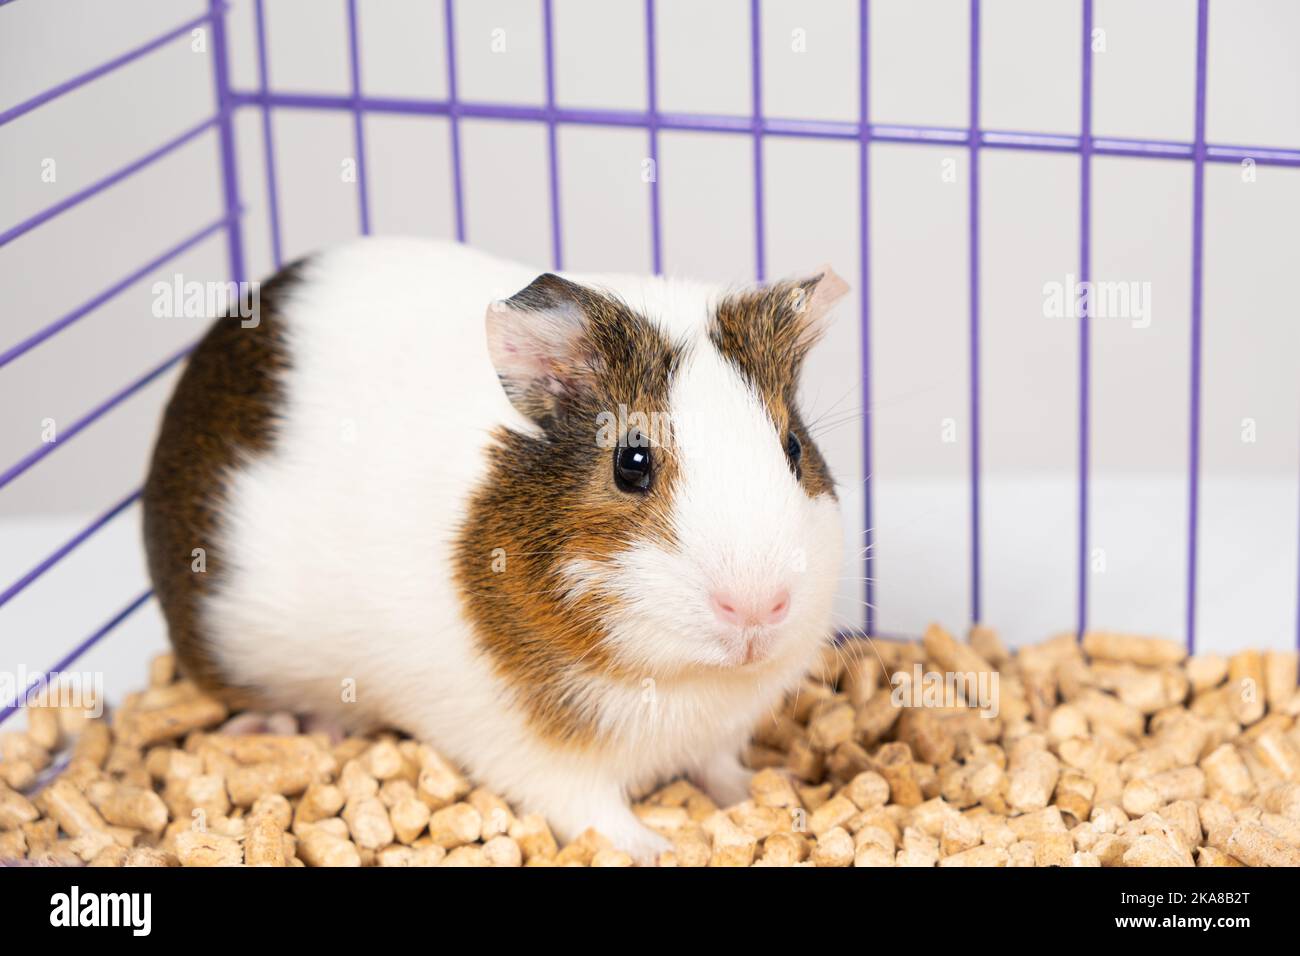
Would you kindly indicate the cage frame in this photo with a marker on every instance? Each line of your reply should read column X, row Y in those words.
column 758, row 126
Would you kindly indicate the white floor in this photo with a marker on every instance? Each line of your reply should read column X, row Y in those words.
column 1248, row 574
column 76, row 597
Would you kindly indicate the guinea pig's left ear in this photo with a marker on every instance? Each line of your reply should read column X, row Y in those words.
column 537, row 342
column 811, row 301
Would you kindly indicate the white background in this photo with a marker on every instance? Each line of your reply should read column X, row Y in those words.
column 1142, row 209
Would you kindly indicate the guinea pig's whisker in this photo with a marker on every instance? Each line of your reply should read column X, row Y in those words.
column 828, row 423
column 846, row 484
column 884, row 670
column 845, row 394
column 857, row 411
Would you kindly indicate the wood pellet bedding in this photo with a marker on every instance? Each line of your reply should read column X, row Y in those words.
column 1119, row 752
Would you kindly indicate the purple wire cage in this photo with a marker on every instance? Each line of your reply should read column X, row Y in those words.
column 756, row 126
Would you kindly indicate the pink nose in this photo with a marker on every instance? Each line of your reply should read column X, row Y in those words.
column 733, row 610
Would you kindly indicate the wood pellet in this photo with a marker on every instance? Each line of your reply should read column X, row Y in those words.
column 1115, row 751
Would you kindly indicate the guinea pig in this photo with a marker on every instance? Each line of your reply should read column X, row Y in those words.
column 572, row 532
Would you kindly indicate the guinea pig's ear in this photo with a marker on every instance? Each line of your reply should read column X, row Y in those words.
column 811, row 301
column 537, row 342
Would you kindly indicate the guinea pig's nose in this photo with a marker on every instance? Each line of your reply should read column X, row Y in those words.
column 767, row 611
column 778, row 607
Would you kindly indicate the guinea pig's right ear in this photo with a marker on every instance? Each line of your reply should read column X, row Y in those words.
column 537, row 342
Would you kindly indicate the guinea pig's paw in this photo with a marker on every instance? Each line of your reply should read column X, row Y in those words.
column 640, row 842
column 615, row 821
column 725, row 779
column 321, row 724
column 279, row 722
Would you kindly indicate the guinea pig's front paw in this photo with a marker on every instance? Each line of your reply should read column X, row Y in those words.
column 725, row 779
column 574, row 805
column 260, row 722
column 619, row 825
column 639, row 842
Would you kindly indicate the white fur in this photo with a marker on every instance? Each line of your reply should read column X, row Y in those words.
column 340, row 540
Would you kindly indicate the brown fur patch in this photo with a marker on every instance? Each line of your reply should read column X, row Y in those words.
column 552, row 499
column 222, row 412
column 766, row 333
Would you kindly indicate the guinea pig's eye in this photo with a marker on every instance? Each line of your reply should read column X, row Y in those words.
column 794, row 451
column 632, row 467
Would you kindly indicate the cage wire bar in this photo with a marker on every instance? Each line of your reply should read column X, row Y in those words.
column 264, row 98
column 864, row 306
column 1085, row 337
column 973, row 249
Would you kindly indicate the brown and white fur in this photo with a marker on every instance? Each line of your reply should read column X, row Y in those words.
column 408, row 522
